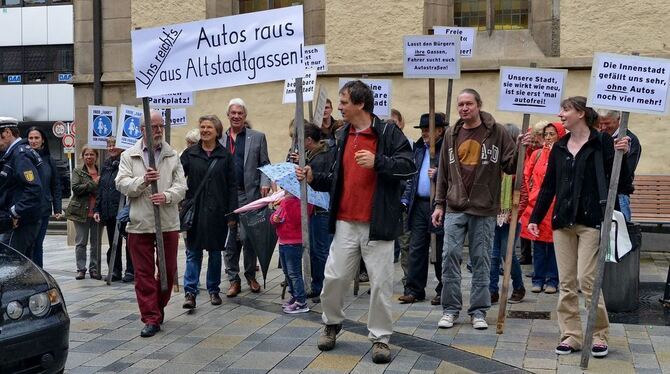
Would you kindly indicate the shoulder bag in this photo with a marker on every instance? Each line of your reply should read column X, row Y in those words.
column 187, row 209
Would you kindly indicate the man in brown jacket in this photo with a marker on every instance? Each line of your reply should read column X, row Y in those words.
column 475, row 151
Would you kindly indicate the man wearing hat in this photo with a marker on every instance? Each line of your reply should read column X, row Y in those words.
column 20, row 187
column 416, row 200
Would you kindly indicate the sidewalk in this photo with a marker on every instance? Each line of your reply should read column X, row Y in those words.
column 249, row 334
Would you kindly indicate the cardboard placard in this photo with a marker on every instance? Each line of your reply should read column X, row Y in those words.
column 381, row 88
column 630, row 83
column 308, row 84
column 531, row 90
column 129, row 127
column 315, row 58
column 175, row 100
column 320, row 106
column 432, row 56
column 229, row 51
column 101, row 125
column 467, row 35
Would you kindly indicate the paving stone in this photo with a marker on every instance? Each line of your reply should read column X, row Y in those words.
column 641, row 348
column 98, row 346
column 539, row 363
column 425, row 362
column 172, row 368
column 511, row 357
column 334, row 362
column 258, row 360
column 109, row 357
column 75, row 359
column 197, row 355
column 643, row 360
column 295, row 363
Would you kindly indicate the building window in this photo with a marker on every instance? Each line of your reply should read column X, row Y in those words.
column 36, row 64
column 506, row 14
column 248, row 6
column 19, row 3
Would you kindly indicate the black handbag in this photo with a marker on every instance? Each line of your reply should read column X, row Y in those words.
column 187, row 209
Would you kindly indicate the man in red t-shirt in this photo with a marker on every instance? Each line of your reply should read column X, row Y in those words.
column 373, row 158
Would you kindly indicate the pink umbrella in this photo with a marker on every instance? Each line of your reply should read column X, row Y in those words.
column 261, row 203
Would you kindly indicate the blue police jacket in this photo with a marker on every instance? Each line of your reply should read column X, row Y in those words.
column 20, row 185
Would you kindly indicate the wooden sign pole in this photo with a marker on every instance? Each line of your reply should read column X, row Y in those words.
column 160, row 248
column 115, row 242
column 433, row 161
column 304, row 218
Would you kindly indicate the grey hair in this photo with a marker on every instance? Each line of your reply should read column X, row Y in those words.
column 151, row 114
column 193, row 136
column 608, row 113
column 237, row 101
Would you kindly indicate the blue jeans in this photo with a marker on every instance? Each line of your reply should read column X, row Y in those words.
column 38, row 249
column 545, row 270
column 498, row 253
column 479, row 230
column 291, row 260
column 193, row 267
column 320, row 240
column 624, row 205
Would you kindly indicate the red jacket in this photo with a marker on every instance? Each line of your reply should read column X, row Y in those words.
column 533, row 174
column 286, row 220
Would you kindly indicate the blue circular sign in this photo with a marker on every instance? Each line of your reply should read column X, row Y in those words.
column 131, row 128
column 102, row 126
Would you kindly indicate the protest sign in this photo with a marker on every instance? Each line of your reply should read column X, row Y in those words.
column 175, row 100
column 320, row 106
column 630, row 83
column 432, row 56
column 315, row 58
column 308, row 84
column 129, row 126
column 467, row 35
column 381, row 88
column 221, row 52
column 531, row 90
column 177, row 117
column 101, row 125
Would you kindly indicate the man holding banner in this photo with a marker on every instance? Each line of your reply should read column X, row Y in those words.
column 475, row 153
column 249, row 150
column 373, row 158
column 134, row 179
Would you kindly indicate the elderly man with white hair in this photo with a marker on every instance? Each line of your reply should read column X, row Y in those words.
column 134, row 180
column 249, row 150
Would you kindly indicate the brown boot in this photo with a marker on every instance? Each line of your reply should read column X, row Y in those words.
column 189, row 301
column 215, row 299
column 80, row 275
column 234, row 289
column 94, row 274
column 254, row 286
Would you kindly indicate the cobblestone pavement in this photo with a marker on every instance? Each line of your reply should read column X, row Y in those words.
column 250, row 334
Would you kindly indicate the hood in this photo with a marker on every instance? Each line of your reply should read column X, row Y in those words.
column 560, row 129
column 19, row 277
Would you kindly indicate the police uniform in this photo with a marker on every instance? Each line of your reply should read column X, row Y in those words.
column 20, row 192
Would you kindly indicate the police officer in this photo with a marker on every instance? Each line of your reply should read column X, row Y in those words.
column 20, row 187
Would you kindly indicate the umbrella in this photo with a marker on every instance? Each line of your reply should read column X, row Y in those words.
column 284, row 175
column 260, row 203
column 261, row 235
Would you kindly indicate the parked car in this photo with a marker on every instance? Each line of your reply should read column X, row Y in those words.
column 34, row 323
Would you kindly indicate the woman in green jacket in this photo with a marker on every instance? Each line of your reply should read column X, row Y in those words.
column 80, row 211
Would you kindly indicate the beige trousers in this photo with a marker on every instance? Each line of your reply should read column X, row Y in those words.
column 351, row 242
column 576, row 255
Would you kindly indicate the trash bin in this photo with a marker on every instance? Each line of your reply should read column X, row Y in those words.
column 621, row 281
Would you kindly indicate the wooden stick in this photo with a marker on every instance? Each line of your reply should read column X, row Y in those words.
column 604, row 244
column 304, row 217
column 160, row 248
column 168, row 124
column 450, row 88
column 115, row 242
column 433, row 161
column 509, row 252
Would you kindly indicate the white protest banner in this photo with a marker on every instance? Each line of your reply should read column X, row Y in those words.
column 531, row 90
column 101, row 125
column 172, row 100
column 308, row 84
column 177, row 117
column 381, row 88
column 315, row 58
column 432, row 56
column 630, row 83
column 467, row 35
column 320, row 106
column 221, row 52
column 129, row 128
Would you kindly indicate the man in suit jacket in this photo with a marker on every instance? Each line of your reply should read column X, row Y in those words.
column 249, row 150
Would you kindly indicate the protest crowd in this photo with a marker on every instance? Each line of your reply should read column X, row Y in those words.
column 390, row 198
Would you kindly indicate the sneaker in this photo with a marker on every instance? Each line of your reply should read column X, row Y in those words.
column 328, row 337
column 447, row 321
column 363, row 277
column 296, row 308
column 517, row 296
column 479, row 323
column 599, row 350
column 189, row 301
column 550, row 290
column 536, row 289
column 128, row 277
column 381, row 353
column 289, row 302
column 494, row 297
column 564, row 349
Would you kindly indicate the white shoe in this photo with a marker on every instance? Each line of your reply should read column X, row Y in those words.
column 446, row 321
column 479, row 323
